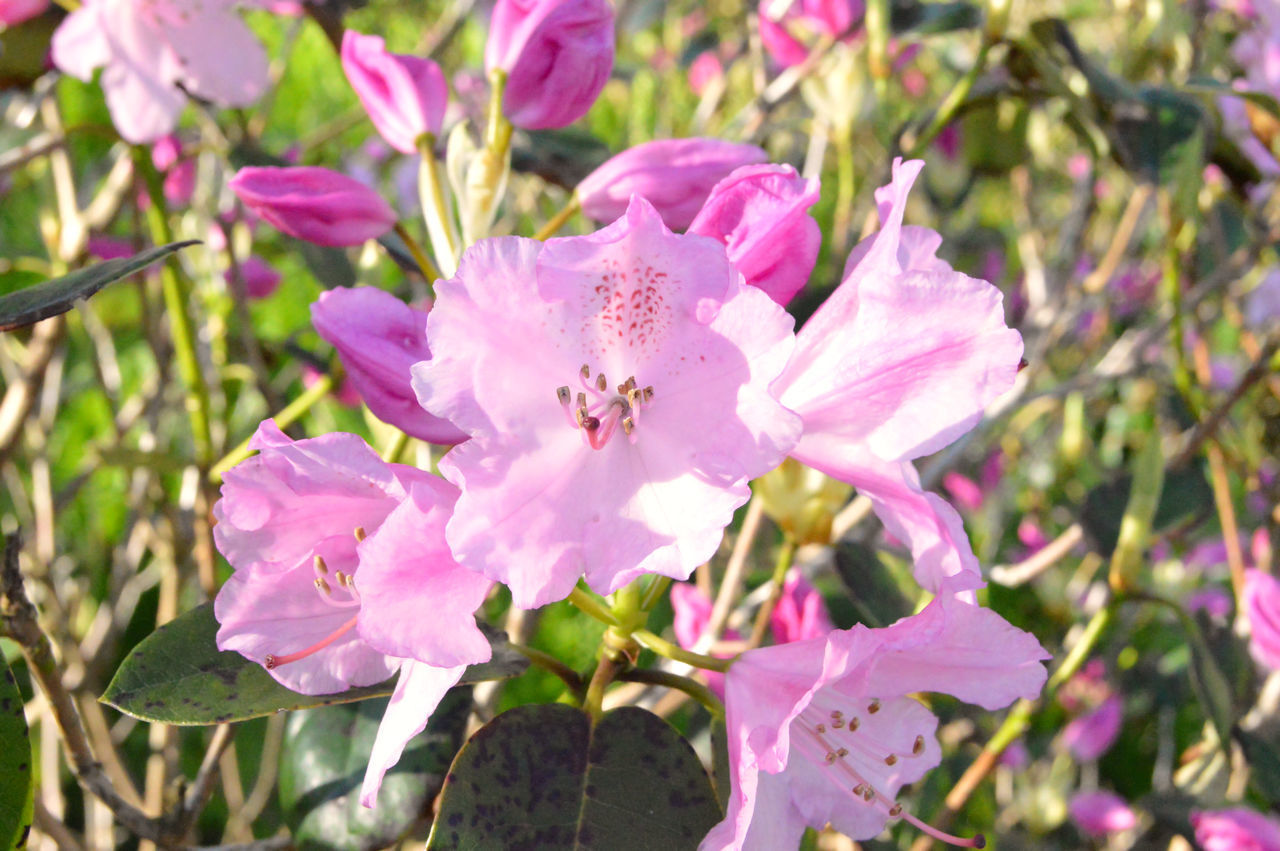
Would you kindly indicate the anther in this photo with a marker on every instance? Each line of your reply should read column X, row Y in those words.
column 320, row 566
column 918, row 747
column 585, row 372
column 868, row 794
column 853, row 723
column 842, row 752
column 628, row 425
column 859, row 789
column 831, row 757
column 891, row 759
column 322, row 586
column 602, row 383
column 874, row 707
column 895, row 811
column 837, row 723
column 837, row 715
column 822, row 728
column 648, row 393
column 360, row 534
column 563, row 394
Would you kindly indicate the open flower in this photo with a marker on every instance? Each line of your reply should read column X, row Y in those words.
column 615, row 391
column 826, row 731
column 155, row 52
column 898, row 362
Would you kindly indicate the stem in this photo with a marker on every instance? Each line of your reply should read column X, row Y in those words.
column 593, row 703
column 677, row 653
column 654, row 593
column 589, row 604
column 780, row 566
column 688, row 685
column 177, row 298
column 552, row 665
column 395, row 447
column 558, row 220
column 425, row 266
column 435, row 208
column 915, row 144
column 287, row 416
column 843, row 216
column 497, row 135
column 731, row 582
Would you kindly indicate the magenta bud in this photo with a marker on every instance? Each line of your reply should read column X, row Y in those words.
column 405, row 96
column 674, row 175
column 379, row 338
column 760, row 213
column 314, row 204
column 557, row 55
column 13, row 12
column 1100, row 812
column 260, row 278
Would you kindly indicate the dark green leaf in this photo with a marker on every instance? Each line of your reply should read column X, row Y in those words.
column 1186, row 494
column 1161, row 135
column 1211, row 686
column 177, row 675
column 15, row 764
column 543, row 777
column 874, row 595
column 330, row 265
column 1216, row 88
column 50, row 298
column 322, row 765
column 1263, row 757
column 916, row 18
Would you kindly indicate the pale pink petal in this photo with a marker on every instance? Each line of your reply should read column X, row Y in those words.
column 221, row 60
column 418, row 692
column 406, row 571
column 80, row 45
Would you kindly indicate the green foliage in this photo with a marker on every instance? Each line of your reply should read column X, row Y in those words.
column 16, row 787
column 546, row 777
column 177, row 675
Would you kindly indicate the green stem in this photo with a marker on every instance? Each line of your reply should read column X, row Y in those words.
column 395, row 447
column 843, row 218
column 1080, row 653
column 606, row 671
column 287, row 416
column 425, row 266
column 435, row 208
column 950, row 105
column 558, row 220
column 552, row 665
column 781, row 564
column 673, row 651
column 688, row 685
column 497, row 135
column 177, row 300
column 654, row 592
column 589, row 604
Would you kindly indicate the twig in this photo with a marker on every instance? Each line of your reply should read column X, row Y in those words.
column 202, row 786
column 731, row 583
column 1013, row 575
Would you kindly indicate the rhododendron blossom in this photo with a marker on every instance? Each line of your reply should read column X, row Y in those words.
column 615, row 391
column 898, row 362
column 825, row 730
column 154, row 52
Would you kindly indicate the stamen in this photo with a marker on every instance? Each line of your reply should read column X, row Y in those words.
column 585, row 372
column 895, row 811
column 831, row 758
column 272, row 661
column 648, row 393
column 978, row 841
column 602, row 383
column 822, row 728
column 842, row 752
column 854, row 723
column 918, row 747
column 838, row 723
column 322, row 586
column 891, row 759
column 874, row 707
column 859, row 789
column 564, row 394
column 320, row 566
column 360, row 534
column 628, row 425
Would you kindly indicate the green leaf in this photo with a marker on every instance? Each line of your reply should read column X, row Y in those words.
column 15, row 764
column 916, row 18
column 1211, row 686
column 177, row 675
column 1264, row 763
column 1186, row 495
column 544, row 777
column 322, row 765
column 30, row 305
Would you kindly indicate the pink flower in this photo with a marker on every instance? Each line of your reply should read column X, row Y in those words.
column 964, row 491
column 825, row 730
column 1262, row 608
column 1215, row 602
column 674, row 175
column 1235, row 829
column 379, row 339
column 704, row 70
column 110, row 247
column 760, row 214
column 1092, row 734
column 345, row 394
column 260, row 278
column 1262, row 305
column 615, row 390
column 692, row 611
column 405, row 96
column 801, row 612
column 898, row 362
column 13, row 12
column 1099, row 813
column 154, row 52
column 557, row 55
column 314, row 204
column 809, row 18
column 179, row 173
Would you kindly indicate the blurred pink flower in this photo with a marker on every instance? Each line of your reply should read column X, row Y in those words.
column 1016, row 756
column 825, row 730
column 1092, row 734
column 760, row 214
column 1031, row 535
column 781, row 21
column 692, row 610
column 965, row 492
column 314, row 204
column 13, row 12
column 1215, row 602
column 898, row 362
column 404, row 96
column 674, row 175
column 1262, row 608
column 1262, row 305
column 1099, row 813
column 949, row 141
column 111, row 247
column 801, row 612
column 379, row 339
column 1235, row 829
column 345, row 394
column 557, row 55
column 260, row 277
column 569, row 472
column 704, row 70
column 154, row 52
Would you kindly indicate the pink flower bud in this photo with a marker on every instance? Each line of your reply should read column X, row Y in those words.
column 1262, row 607
column 379, row 338
column 801, row 612
column 1091, row 735
column 760, row 214
column 674, row 175
column 405, row 96
column 1235, row 829
column 314, row 204
column 557, row 55
column 16, row 11
column 1099, row 813
column 260, row 278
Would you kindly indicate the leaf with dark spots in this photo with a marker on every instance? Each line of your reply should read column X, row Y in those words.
column 30, row 305
column 16, row 786
column 543, row 777
column 177, row 675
